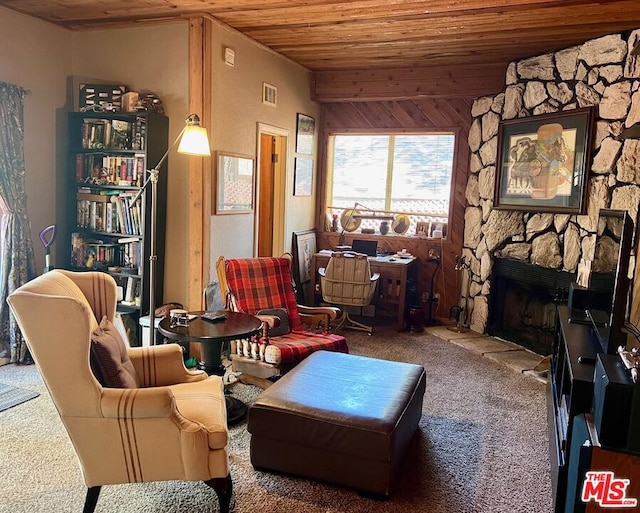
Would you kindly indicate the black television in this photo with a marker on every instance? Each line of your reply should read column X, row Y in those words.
column 610, row 268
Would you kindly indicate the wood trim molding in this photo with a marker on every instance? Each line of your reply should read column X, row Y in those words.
column 200, row 64
column 408, row 83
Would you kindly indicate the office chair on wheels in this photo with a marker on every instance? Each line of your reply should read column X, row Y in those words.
column 347, row 281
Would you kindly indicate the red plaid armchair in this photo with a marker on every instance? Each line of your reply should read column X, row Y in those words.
column 264, row 287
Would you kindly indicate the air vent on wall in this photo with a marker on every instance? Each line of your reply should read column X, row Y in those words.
column 269, row 94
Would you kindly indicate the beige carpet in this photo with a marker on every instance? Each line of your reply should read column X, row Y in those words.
column 12, row 396
column 481, row 448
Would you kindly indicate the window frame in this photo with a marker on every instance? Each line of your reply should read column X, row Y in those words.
column 328, row 176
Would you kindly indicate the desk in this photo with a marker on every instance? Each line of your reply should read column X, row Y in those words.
column 392, row 285
column 211, row 335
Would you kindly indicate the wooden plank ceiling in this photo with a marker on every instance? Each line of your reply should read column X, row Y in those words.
column 399, row 48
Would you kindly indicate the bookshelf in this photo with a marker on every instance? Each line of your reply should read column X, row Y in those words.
column 107, row 230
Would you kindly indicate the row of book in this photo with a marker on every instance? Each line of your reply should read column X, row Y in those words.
column 111, row 212
column 119, row 255
column 115, row 134
column 109, row 169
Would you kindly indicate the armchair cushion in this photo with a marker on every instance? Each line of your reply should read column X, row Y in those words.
column 283, row 328
column 296, row 346
column 112, row 362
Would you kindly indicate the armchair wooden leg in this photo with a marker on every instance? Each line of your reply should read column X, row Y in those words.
column 91, row 500
column 223, row 487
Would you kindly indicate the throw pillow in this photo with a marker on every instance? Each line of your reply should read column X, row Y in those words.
column 109, row 353
column 281, row 314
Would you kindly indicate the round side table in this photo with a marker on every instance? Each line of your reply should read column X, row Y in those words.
column 211, row 336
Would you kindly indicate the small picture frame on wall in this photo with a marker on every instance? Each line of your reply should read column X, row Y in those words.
column 234, row 184
column 303, row 177
column 305, row 131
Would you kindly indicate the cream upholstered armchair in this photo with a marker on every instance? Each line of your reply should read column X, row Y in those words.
column 163, row 422
column 347, row 281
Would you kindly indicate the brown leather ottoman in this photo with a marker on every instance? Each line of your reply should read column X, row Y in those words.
column 338, row 418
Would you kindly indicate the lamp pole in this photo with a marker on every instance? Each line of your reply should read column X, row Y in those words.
column 192, row 126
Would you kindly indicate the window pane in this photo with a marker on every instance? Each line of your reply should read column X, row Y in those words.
column 360, row 170
column 396, row 174
column 422, row 168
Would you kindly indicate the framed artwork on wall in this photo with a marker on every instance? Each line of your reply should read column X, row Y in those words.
column 543, row 162
column 305, row 131
column 234, row 183
column 303, row 177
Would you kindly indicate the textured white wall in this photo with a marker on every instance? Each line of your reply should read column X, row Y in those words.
column 35, row 55
column 237, row 110
column 151, row 59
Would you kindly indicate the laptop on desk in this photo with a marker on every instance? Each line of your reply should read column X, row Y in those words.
column 368, row 247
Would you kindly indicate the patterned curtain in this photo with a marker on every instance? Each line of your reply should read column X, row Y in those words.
column 17, row 260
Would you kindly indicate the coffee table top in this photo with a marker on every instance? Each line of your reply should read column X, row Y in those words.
column 236, row 325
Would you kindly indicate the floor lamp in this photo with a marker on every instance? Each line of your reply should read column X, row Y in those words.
column 192, row 140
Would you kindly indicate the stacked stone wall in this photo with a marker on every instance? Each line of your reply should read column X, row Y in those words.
column 601, row 73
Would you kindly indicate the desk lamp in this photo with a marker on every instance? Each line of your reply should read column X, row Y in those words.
column 192, row 140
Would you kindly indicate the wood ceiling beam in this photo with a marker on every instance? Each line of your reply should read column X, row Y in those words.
column 408, row 83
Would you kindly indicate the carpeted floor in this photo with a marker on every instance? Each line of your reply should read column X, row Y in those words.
column 12, row 396
column 481, row 448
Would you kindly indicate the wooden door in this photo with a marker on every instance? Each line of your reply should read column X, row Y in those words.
column 266, row 194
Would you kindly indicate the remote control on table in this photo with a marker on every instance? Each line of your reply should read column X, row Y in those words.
column 214, row 316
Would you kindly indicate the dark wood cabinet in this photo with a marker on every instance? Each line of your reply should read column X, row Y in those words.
column 107, row 222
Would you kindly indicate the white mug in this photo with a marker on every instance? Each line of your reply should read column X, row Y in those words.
column 179, row 317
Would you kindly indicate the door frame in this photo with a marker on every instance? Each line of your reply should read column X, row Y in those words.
column 279, row 188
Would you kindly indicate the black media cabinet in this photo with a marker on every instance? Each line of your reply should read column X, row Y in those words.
column 570, row 398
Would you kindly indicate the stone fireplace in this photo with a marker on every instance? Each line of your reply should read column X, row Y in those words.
column 601, row 73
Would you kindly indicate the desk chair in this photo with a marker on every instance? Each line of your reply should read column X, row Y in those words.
column 347, row 281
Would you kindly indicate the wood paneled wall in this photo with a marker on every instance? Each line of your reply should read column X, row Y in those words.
column 437, row 114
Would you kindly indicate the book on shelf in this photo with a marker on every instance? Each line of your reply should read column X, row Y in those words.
column 122, row 253
column 109, row 213
column 114, row 134
column 123, row 170
column 130, row 292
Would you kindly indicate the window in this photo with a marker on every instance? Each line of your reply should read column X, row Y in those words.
column 392, row 173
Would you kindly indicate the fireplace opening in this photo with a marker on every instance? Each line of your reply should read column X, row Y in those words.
column 523, row 303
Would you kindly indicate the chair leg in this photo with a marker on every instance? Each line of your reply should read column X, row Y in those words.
column 92, row 499
column 223, row 487
column 355, row 325
column 345, row 321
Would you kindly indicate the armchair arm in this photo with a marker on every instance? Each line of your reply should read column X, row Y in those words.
column 162, row 365
column 141, row 403
column 318, row 317
column 331, row 311
column 273, row 321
